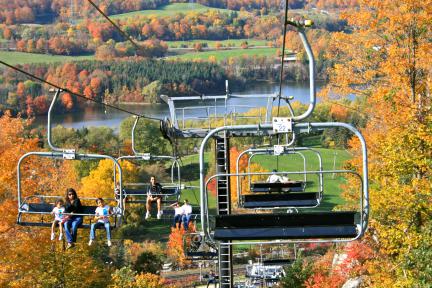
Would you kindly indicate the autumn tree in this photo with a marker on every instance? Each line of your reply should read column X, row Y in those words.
column 26, row 251
column 386, row 62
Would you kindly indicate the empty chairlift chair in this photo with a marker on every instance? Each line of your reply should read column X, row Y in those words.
column 279, row 194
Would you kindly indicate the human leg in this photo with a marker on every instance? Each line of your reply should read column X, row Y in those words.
column 60, row 224
column 185, row 220
column 148, row 207
column 177, row 219
column 76, row 222
column 108, row 230
column 158, row 202
column 67, row 226
column 52, row 229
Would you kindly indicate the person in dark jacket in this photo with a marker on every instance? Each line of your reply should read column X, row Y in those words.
column 154, row 194
column 73, row 206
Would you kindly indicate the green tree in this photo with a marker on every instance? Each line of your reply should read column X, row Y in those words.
column 152, row 91
column 148, row 138
column 148, row 262
column 296, row 274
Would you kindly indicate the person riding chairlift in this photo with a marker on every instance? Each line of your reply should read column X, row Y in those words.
column 275, row 178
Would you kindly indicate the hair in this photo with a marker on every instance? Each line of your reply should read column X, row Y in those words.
column 186, row 200
column 59, row 200
column 99, row 199
column 153, row 176
column 70, row 190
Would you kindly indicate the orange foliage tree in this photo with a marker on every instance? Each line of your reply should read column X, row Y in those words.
column 386, row 62
column 175, row 248
column 28, row 258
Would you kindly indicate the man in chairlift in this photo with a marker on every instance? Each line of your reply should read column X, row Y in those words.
column 275, row 178
column 154, row 194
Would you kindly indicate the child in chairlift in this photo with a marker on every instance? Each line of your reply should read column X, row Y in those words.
column 102, row 214
column 59, row 218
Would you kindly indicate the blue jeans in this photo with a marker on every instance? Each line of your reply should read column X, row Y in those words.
column 177, row 219
column 74, row 222
column 96, row 225
column 185, row 220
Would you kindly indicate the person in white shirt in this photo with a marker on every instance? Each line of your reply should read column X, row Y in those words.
column 274, row 178
column 284, row 178
column 102, row 214
column 187, row 214
column 59, row 218
column 178, row 214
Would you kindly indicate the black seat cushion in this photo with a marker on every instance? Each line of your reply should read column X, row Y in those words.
column 286, row 226
column 309, row 199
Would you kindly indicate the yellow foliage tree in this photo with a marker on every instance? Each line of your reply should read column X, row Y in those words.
column 100, row 182
column 386, row 62
column 27, row 256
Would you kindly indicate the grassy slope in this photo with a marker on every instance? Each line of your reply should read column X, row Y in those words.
column 170, row 10
column 160, row 230
column 15, row 58
column 224, row 54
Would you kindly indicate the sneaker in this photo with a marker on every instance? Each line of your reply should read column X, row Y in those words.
column 52, row 236
column 61, row 237
column 90, row 242
column 147, row 215
column 109, row 243
column 159, row 214
column 69, row 245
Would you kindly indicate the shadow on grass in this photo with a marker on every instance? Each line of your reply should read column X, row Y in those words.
column 190, row 172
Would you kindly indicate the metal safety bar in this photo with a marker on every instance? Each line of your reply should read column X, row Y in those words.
column 148, row 157
column 60, row 155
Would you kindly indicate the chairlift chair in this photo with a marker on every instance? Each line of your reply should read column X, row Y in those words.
column 197, row 249
column 308, row 226
column 280, row 194
column 170, row 190
column 40, row 204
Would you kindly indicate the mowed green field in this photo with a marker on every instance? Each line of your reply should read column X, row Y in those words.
column 14, row 58
column 220, row 55
column 170, row 10
column 212, row 43
column 331, row 159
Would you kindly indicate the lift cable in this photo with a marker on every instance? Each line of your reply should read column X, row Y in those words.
column 125, row 35
column 283, row 57
column 74, row 93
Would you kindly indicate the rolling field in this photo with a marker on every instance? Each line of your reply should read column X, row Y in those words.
column 212, row 43
column 224, row 54
column 14, row 58
column 170, row 10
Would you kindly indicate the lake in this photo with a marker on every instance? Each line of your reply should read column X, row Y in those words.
column 98, row 116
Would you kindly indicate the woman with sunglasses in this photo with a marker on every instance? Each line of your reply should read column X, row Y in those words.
column 73, row 206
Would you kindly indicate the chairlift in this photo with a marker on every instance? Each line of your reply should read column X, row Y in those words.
column 307, row 226
column 285, row 194
column 197, row 249
column 170, row 191
column 42, row 205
